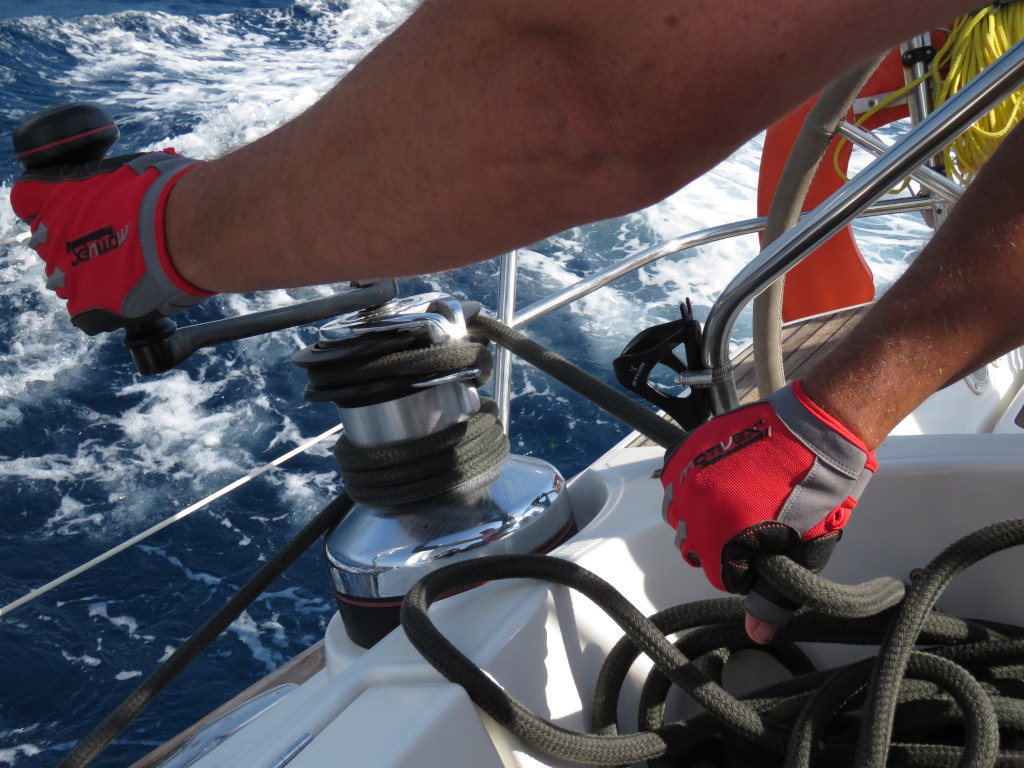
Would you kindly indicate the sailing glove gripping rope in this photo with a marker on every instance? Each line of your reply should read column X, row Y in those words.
column 100, row 229
column 780, row 474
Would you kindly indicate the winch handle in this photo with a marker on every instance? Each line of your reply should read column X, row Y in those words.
column 77, row 133
column 83, row 132
column 65, row 134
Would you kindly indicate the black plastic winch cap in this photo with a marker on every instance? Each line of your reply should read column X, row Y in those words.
column 65, row 134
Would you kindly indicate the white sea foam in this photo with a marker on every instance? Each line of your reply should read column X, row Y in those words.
column 9, row 755
column 727, row 194
column 599, row 313
column 297, row 601
column 71, row 516
column 128, row 624
column 85, row 659
column 50, row 468
column 252, row 634
column 237, row 80
column 288, row 435
column 305, row 487
column 205, row 578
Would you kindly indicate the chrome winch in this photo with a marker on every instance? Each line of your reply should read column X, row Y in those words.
column 423, row 456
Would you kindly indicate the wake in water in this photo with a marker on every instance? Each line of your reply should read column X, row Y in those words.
column 93, row 453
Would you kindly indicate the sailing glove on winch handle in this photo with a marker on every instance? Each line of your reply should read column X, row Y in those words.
column 100, row 229
column 780, row 474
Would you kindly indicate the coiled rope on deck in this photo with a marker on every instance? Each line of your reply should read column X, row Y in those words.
column 942, row 691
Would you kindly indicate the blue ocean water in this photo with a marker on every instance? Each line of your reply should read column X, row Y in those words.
column 92, row 453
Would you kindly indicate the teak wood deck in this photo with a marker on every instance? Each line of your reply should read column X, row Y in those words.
column 802, row 342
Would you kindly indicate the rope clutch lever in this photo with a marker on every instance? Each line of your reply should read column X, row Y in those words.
column 656, row 346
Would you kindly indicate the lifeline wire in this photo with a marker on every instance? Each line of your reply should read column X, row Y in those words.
column 170, row 520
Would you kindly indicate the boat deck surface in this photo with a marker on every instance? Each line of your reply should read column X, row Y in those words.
column 803, row 341
column 296, row 671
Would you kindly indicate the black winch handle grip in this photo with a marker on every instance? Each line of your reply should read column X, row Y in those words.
column 65, row 134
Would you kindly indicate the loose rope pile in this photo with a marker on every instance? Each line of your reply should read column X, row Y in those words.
column 941, row 691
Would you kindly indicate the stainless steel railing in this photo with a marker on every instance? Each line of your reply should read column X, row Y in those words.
column 858, row 198
column 912, row 150
column 601, row 278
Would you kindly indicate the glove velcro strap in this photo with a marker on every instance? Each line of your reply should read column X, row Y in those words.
column 161, row 286
column 837, row 476
column 828, row 439
column 765, row 603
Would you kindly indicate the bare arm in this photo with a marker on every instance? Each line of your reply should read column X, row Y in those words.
column 482, row 126
column 957, row 307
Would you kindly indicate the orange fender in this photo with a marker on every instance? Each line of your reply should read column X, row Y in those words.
column 835, row 275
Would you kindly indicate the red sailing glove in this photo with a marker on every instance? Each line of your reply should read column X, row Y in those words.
column 779, row 474
column 100, row 229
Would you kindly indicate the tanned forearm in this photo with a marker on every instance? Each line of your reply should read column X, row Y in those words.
column 957, row 307
column 482, row 126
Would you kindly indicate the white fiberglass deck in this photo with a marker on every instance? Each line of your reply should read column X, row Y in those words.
column 545, row 645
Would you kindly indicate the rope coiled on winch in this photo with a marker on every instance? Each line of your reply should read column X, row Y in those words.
column 410, row 364
column 427, row 466
column 469, row 450
column 950, row 703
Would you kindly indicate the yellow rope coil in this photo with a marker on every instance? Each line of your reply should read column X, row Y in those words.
column 974, row 42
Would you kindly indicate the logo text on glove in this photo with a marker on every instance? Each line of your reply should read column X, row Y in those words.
column 736, row 442
column 95, row 244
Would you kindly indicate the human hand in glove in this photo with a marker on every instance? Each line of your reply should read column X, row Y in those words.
column 780, row 474
column 100, row 229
